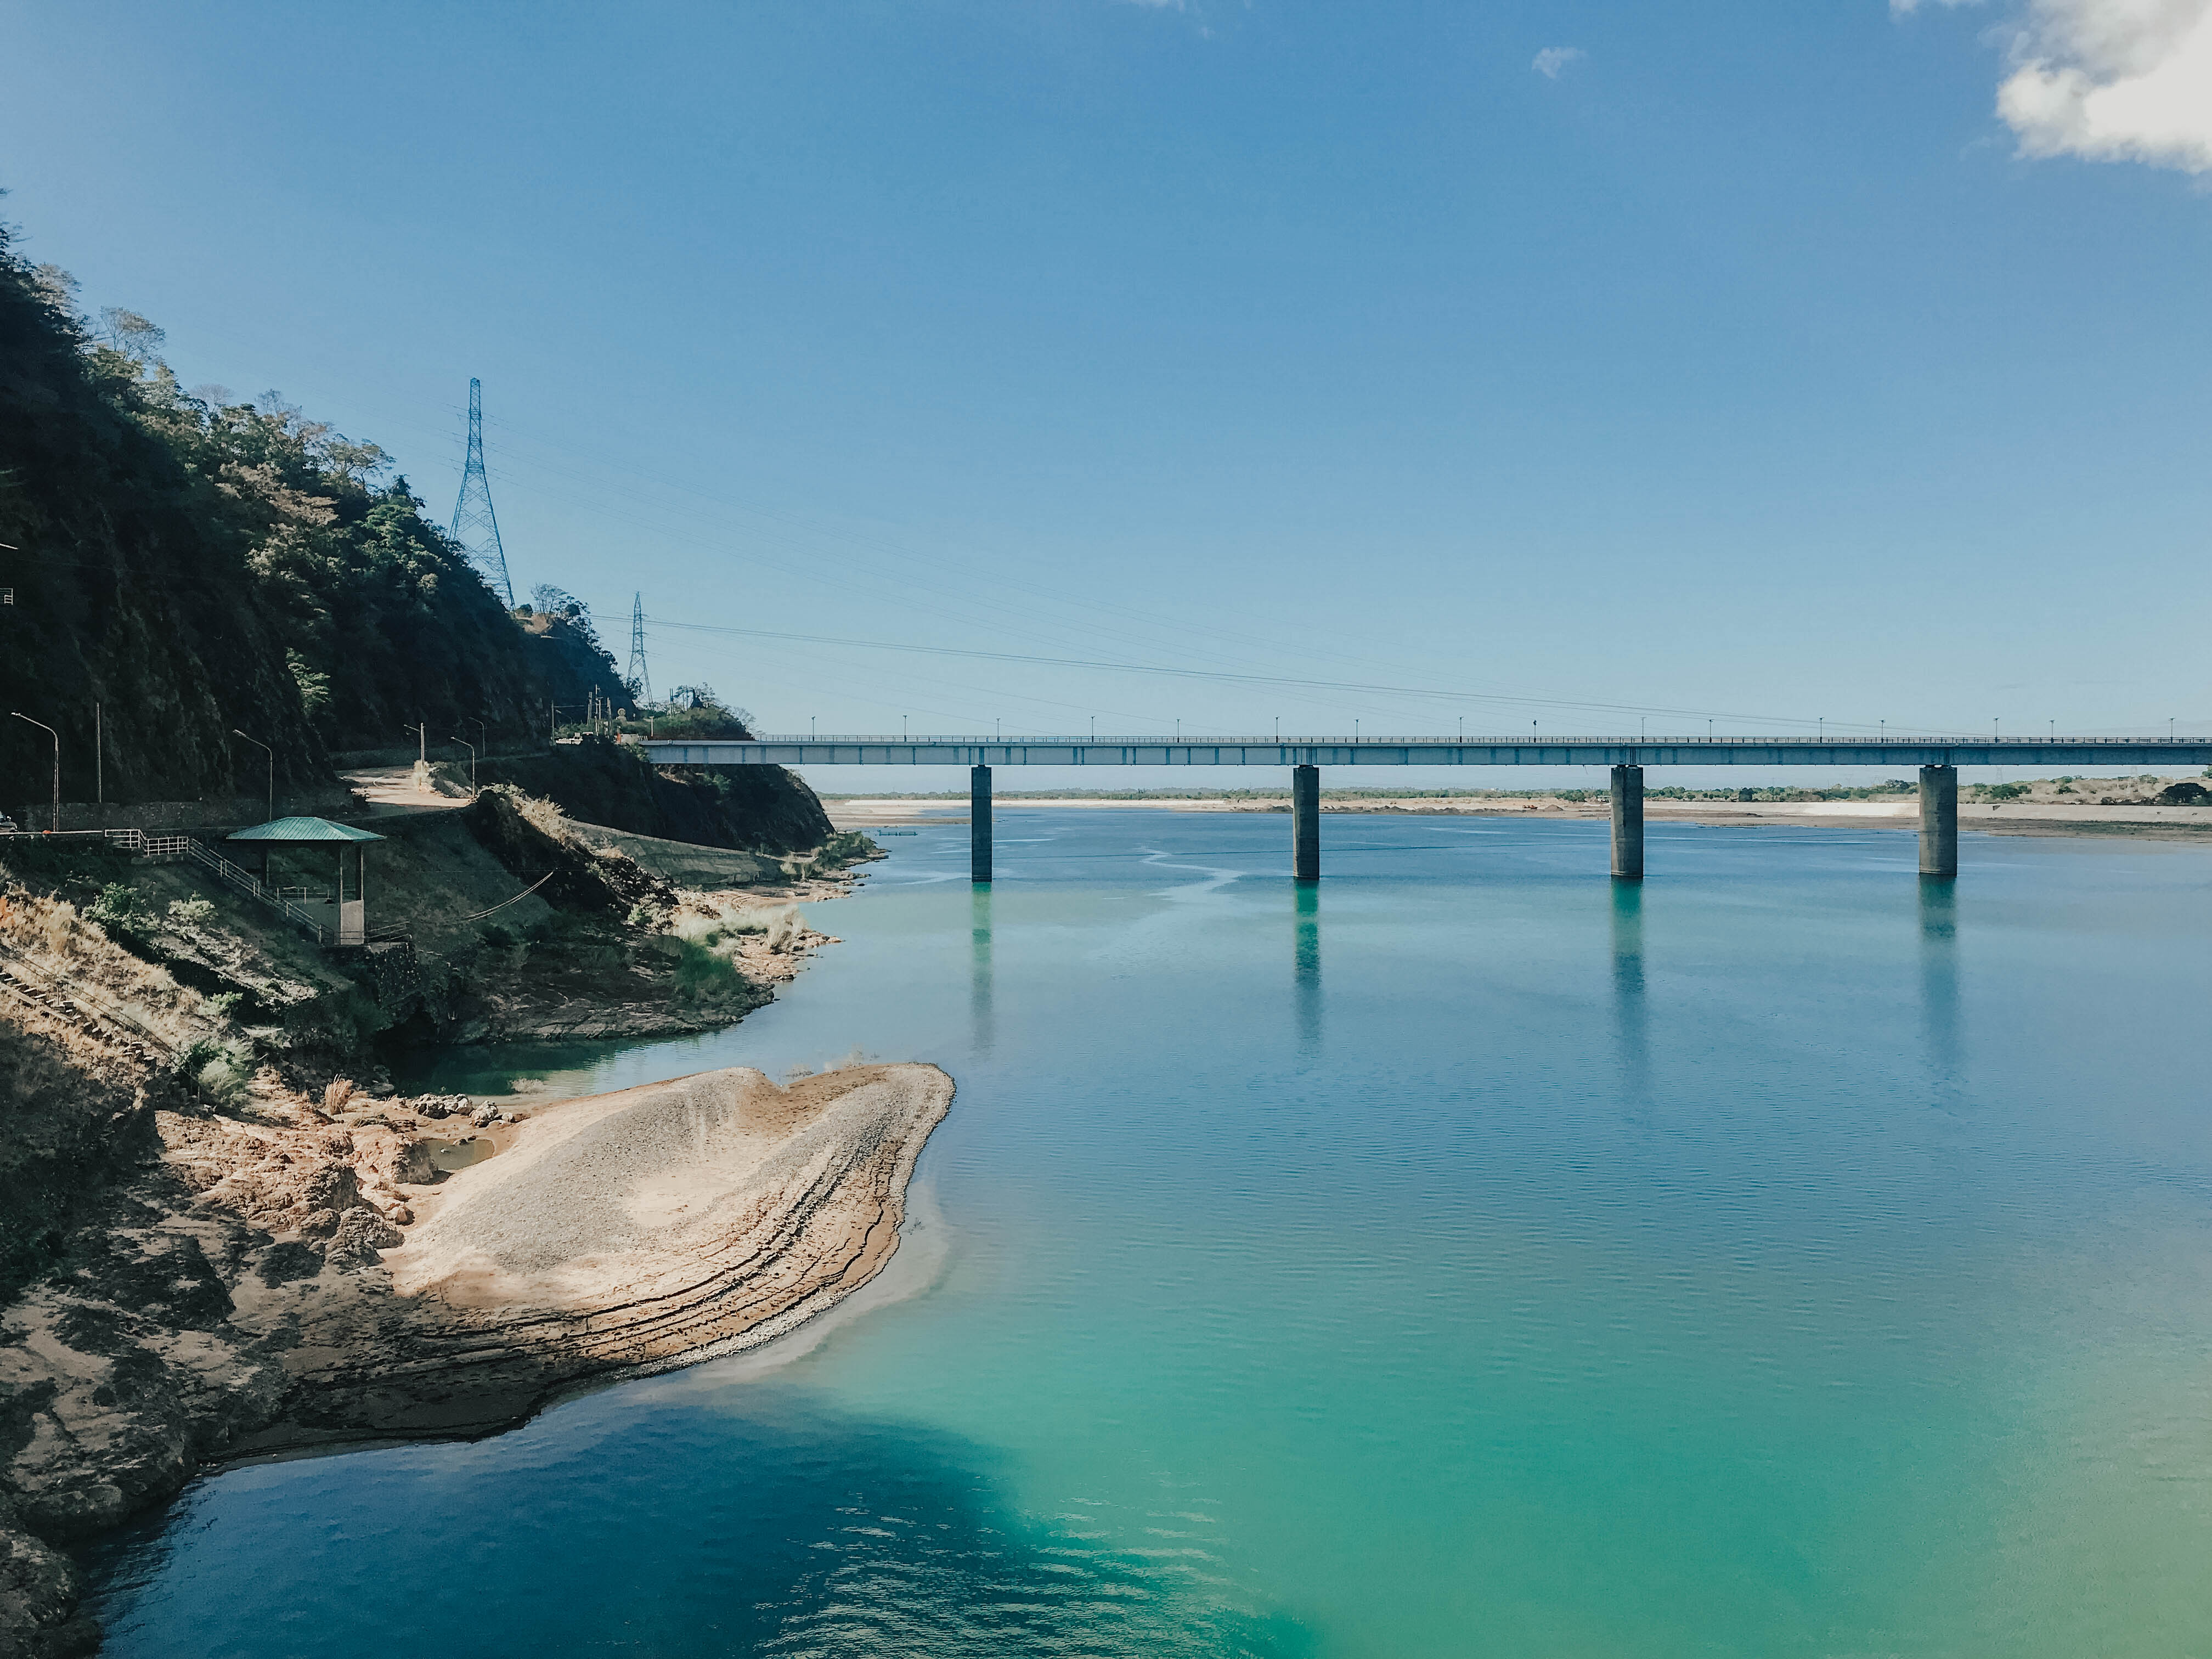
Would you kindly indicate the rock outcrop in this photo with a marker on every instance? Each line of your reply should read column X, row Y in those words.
column 258, row 1288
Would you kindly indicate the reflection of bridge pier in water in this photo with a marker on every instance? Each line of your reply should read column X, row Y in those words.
column 1939, row 979
column 1305, row 959
column 1631, row 1022
column 981, row 1026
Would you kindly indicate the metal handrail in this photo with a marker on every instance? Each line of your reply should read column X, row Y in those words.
column 251, row 886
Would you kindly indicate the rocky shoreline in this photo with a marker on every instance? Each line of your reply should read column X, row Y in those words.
column 254, row 1288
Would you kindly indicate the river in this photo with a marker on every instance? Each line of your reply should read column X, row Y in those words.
column 1470, row 1257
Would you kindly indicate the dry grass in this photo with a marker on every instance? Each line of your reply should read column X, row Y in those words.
column 56, row 942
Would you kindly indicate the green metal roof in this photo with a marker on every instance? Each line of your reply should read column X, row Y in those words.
column 302, row 829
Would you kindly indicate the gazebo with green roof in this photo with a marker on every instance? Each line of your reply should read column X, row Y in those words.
column 352, row 915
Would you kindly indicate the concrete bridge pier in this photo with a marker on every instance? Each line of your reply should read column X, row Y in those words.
column 1305, row 823
column 1939, row 820
column 979, row 824
column 1628, row 822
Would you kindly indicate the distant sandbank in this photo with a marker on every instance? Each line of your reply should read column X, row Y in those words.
column 2020, row 817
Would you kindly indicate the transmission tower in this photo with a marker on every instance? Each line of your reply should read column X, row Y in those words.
column 476, row 527
column 641, row 684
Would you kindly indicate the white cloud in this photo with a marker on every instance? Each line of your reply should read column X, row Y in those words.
column 2114, row 80
column 1550, row 61
column 2109, row 80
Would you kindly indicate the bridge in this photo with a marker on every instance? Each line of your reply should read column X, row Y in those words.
column 1937, row 759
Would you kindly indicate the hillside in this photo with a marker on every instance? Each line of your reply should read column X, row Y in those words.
column 191, row 563
column 757, row 809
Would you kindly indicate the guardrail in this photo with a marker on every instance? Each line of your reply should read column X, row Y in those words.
column 1432, row 740
column 199, row 853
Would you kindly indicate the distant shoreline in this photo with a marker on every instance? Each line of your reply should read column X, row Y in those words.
column 2022, row 817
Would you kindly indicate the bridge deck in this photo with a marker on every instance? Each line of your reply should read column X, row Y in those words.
column 1898, row 753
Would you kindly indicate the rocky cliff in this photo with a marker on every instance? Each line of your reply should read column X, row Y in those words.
column 754, row 808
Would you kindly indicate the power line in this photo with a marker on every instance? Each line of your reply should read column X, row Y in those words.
column 1249, row 679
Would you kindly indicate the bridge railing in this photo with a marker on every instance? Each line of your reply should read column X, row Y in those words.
column 1154, row 740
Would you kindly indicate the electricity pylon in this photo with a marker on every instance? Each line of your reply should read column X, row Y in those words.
column 640, row 685
column 476, row 527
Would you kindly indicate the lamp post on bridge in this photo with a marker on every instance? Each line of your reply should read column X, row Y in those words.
column 57, row 737
column 271, row 753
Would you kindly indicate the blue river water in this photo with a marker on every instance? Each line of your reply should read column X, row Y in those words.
column 1472, row 1256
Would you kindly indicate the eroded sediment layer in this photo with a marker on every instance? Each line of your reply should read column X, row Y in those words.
column 620, row 1231
column 258, row 1288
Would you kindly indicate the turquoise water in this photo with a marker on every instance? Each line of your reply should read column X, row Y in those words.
column 1472, row 1257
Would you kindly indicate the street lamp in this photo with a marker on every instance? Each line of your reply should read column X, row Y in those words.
column 57, row 737
column 271, row 753
column 472, row 748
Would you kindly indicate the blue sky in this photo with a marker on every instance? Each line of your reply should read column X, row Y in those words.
column 1743, row 362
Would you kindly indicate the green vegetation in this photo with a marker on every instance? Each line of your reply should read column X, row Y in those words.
column 846, row 847
column 704, row 975
column 219, row 1071
column 194, row 561
column 693, row 712
column 120, row 905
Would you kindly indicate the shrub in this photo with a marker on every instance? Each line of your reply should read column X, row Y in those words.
column 2005, row 791
column 846, row 847
column 119, row 905
column 190, row 913
column 221, row 1070
column 701, row 975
